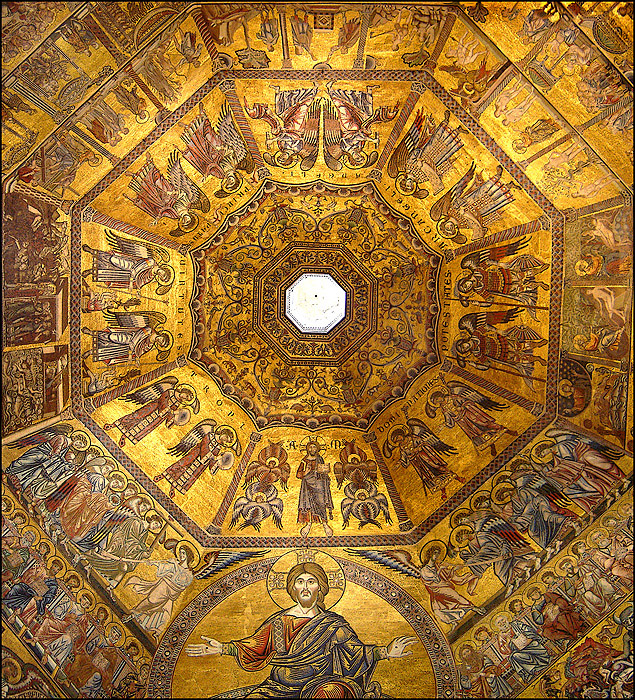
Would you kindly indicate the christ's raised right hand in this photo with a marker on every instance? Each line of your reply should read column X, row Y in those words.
column 212, row 647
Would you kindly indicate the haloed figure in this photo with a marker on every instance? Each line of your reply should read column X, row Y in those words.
column 313, row 652
column 315, row 504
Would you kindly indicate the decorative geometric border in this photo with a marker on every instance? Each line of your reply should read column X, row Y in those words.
column 182, row 626
column 261, row 276
column 557, row 239
column 403, row 223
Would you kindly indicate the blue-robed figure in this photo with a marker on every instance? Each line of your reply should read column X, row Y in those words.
column 312, row 652
column 36, row 583
column 495, row 542
column 53, row 456
column 528, row 654
column 538, row 508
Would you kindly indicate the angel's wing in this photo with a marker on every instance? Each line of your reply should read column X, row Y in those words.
column 471, row 394
column 331, row 137
column 237, row 447
column 396, row 559
column 482, row 257
column 184, row 183
column 141, row 319
column 222, row 560
column 42, row 436
column 230, row 136
column 251, row 473
column 494, row 524
column 153, row 392
column 277, row 509
column 443, row 205
column 311, row 135
column 193, row 438
column 470, row 322
column 127, row 246
column 564, row 437
column 555, row 497
column 417, row 136
column 421, row 430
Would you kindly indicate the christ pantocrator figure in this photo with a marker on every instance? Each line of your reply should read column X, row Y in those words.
column 312, row 652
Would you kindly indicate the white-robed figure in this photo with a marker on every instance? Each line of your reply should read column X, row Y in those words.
column 130, row 265
column 154, row 611
column 54, row 455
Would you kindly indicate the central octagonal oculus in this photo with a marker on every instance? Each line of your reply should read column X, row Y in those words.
column 315, row 303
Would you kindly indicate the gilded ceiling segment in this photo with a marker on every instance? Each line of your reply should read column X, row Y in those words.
column 338, row 287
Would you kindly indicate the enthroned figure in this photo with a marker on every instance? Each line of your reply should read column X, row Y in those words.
column 312, row 652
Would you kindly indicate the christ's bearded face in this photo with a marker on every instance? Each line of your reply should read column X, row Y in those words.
column 306, row 588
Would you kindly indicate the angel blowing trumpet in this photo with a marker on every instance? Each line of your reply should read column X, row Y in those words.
column 166, row 402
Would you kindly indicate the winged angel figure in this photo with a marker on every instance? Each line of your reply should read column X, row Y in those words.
column 484, row 539
column 166, row 402
column 465, row 407
column 471, row 203
column 418, row 446
column 294, row 124
column 425, row 154
column 488, row 275
column 484, row 343
column 206, row 446
column 261, row 500
column 439, row 577
column 220, row 152
column 130, row 265
column 174, row 197
column 349, row 116
column 128, row 337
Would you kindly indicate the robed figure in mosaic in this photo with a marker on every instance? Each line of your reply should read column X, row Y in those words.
column 206, row 446
column 130, row 265
column 467, row 408
column 313, row 652
column 418, row 446
column 315, row 504
column 166, row 402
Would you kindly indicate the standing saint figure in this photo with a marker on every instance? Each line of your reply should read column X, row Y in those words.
column 315, row 491
column 162, row 402
column 312, row 652
column 206, row 445
column 154, row 611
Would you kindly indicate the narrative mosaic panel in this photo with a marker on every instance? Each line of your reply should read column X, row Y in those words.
column 317, row 331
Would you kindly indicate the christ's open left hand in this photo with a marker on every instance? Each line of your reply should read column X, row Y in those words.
column 212, row 647
column 398, row 648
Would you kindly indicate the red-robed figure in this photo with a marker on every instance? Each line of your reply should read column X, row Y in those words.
column 418, row 446
column 162, row 402
column 206, row 445
column 466, row 407
column 312, row 652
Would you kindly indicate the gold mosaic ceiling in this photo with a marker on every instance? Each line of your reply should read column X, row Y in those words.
column 462, row 173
